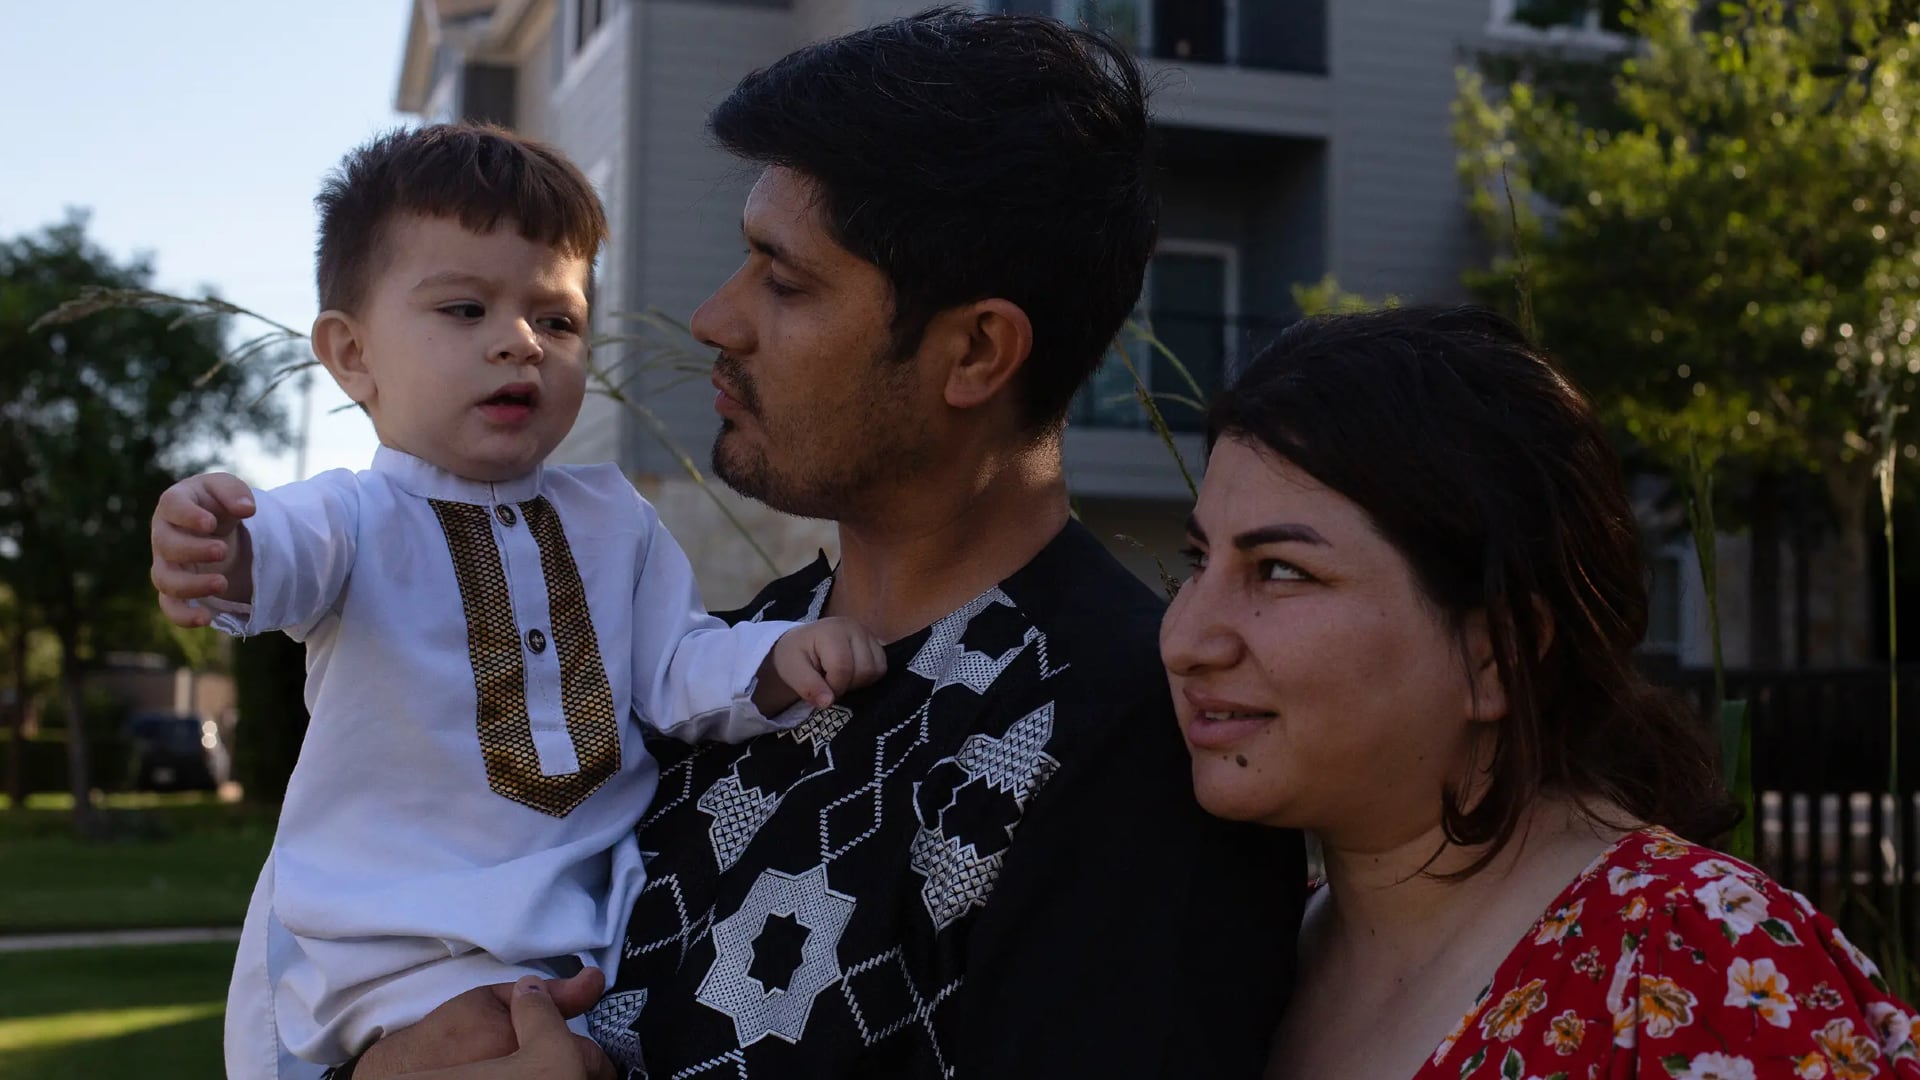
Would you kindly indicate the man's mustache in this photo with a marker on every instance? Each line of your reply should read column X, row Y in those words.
column 739, row 384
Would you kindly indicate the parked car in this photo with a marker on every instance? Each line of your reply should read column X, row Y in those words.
column 175, row 751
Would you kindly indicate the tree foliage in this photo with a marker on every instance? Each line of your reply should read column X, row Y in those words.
column 97, row 417
column 1729, row 258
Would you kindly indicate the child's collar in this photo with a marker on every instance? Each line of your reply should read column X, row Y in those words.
column 430, row 481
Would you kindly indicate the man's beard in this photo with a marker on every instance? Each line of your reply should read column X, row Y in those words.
column 874, row 445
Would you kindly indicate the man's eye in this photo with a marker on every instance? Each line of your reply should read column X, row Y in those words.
column 779, row 288
column 464, row 310
column 1196, row 559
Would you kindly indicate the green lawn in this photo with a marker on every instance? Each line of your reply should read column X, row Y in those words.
column 152, row 1012
column 176, row 861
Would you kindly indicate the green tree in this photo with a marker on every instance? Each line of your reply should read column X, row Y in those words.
column 1709, row 251
column 97, row 417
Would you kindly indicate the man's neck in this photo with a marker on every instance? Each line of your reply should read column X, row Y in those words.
column 948, row 539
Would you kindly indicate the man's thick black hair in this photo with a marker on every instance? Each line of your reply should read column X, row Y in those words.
column 972, row 156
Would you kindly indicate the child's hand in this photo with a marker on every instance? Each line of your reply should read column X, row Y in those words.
column 819, row 662
column 199, row 549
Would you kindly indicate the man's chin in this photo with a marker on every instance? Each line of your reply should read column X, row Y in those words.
column 740, row 471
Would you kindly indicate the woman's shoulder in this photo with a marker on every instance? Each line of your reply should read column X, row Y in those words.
column 1686, row 962
column 1730, row 958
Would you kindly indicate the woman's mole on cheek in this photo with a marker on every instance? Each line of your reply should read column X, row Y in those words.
column 1240, row 760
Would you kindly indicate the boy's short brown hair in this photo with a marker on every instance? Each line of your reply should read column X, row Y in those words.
column 476, row 174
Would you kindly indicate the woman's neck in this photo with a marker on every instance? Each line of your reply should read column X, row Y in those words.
column 1393, row 896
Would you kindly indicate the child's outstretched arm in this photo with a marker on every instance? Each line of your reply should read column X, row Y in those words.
column 246, row 562
column 818, row 662
column 200, row 549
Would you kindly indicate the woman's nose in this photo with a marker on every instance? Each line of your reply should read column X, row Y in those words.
column 1197, row 635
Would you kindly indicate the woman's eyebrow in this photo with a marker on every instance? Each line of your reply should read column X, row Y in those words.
column 1282, row 533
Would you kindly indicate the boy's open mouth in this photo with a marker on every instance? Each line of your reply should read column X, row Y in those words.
column 510, row 403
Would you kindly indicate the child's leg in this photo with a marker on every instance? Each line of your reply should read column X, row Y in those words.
column 326, row 1020
column 253, row 1047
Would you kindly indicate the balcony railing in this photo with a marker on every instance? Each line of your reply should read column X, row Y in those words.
column 1210, row 346
column 1276, row 35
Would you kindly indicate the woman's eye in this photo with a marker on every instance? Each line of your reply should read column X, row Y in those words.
column 1196, row 559
column 464, row 310
column 1275, row 570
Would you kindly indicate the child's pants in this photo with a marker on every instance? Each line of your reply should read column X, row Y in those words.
column 271, row 1029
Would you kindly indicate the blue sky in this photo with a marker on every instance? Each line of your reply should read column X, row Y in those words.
column 197, row 131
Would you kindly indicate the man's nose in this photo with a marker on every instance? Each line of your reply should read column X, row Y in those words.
column 719, row 321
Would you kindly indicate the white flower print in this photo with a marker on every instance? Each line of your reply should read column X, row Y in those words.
column 1893, row 1025
column 1622, row 880
column 1717, row 1067
column 1733, row 903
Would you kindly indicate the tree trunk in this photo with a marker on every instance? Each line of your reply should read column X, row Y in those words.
column 79, row 778
column 1763, row 577
column 17, row 722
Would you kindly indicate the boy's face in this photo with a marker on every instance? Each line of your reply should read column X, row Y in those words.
column 470, row 349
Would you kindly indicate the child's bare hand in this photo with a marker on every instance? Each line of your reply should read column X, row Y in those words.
column 199, row 549
column 822, row 660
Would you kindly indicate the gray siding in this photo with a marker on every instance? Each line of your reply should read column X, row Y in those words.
column 689, row 194
column 586, row 120
column 1356, row 176
column 1398, row 223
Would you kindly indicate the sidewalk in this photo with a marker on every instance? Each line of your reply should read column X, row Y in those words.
column 110, row 938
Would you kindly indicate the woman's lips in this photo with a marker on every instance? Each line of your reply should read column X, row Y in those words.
column 1218, row 724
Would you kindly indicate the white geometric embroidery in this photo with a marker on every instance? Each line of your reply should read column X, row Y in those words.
column 815, row 603
column 847, row 814
column 818, row 602
column 611, row 1025
column 855, row 985
column 737, row 815
column 959, row 877
column 738, row 811
column 945, row 661
column 735, row 1057
column 758, row 1010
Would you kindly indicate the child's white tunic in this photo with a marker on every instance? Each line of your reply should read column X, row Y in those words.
column 465, row 799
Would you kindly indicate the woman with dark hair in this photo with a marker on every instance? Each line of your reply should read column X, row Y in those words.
column 1417, row 587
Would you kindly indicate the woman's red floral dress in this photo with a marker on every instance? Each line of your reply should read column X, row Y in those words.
column 1664, row 959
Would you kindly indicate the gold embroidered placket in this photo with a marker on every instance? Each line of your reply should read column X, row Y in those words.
column 499, row 671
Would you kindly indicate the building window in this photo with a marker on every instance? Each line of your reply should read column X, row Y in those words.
column 1191, row 304
column 588, row 17
column 1281, row 35
column 1594, row 21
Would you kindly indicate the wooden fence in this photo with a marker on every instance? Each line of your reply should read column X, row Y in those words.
column 1827, row 825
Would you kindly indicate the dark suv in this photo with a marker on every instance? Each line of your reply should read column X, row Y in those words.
column 177, row 751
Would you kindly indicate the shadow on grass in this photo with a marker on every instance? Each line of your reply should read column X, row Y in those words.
column 152, row 1012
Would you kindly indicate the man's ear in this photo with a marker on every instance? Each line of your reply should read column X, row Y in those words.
column 992, row 338
column 339, row 342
